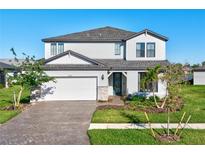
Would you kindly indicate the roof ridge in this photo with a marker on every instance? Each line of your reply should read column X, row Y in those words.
column 91, row 30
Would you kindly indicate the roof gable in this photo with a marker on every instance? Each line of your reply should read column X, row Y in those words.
column 71, row 57
column 146, row 31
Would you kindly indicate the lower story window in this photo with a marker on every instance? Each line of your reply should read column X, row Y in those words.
column 146, row 86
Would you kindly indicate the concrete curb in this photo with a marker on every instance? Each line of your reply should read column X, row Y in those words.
column 143, row 125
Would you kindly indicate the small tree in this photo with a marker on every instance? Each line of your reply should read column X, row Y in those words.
column 151, row 77
column 173, row 76
column 29, row 73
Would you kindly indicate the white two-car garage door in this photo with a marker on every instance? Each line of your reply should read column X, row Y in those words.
column 72, row 88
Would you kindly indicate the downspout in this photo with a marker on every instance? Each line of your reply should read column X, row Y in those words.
column 124, row 49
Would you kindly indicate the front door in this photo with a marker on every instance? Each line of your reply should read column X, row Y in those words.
column 117, row 83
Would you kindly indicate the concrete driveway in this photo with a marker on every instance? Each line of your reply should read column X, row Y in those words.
column 59, row 122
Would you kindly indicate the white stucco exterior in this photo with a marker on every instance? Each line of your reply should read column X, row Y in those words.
column 97, row 74
column 199, row 78
column 130, row 83
column 68, row 59
column 91, row 50
column 160, row 47
column 104, row 78
column 133, row 84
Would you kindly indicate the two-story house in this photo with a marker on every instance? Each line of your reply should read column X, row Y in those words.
column 102, row 62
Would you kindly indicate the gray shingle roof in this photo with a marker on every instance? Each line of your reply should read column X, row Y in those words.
column 104, row 34
column 201, row 68
column 61, row 67
column 11, row 61
column 99, row 34
column 109, row 64
column 6, row 66
column 162, row 37
column 120, row 64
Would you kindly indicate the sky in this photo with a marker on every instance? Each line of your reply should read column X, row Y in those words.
column 24, row 29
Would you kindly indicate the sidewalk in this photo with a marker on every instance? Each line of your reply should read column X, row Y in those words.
column 143, row 125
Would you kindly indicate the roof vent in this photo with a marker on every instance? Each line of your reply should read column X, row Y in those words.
column 100, row 34
column 88, row 35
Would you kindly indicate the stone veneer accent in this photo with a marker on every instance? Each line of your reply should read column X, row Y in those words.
column 103, row 93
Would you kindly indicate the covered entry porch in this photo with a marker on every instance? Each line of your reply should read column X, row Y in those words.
column 117, row 83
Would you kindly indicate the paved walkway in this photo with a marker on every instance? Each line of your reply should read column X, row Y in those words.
column 59, row 122
column 142, row 125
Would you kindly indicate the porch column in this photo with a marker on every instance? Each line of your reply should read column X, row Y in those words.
column 132, row 82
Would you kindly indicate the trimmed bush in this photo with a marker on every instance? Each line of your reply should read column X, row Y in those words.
column 151, row 98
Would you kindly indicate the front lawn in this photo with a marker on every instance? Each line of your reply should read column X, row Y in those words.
column 143, row 137
column 7, row 115
column 194, row 98
column 6, row 99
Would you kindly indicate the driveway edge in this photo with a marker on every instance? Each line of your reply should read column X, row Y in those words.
column 143, row 125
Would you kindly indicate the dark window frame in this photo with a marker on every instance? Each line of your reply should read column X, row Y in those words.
column 140, row 50
column 53, row 50
column 119, row 52
column 59, row 44
column 151, row 50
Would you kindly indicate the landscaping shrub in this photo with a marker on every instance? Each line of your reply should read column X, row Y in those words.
column 151, row 98
column 138, row 98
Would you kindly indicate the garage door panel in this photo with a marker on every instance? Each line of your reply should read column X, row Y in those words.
column 71, row 89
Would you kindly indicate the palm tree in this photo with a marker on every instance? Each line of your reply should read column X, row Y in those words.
column 152, row 77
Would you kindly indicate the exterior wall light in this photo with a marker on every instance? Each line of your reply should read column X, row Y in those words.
column 102, row 77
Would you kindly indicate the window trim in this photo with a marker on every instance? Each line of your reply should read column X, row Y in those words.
column 150, row 50
column 120, row 44
column 141, row 50
column 52, row 52
column 59, row 44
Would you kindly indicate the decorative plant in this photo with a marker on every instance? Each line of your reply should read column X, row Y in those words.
column 151, row 77
column 28, row 73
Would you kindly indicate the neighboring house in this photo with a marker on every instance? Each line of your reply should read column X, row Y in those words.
column 188, row 73
column 199, row 75
column 4, row 69
column 102, row 62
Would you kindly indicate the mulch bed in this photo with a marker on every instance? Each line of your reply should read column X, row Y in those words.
column 168, row 138
column 21, row 107
column 177, row 103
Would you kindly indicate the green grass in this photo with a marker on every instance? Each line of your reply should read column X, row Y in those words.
column 194, row 98
column 7, row 115
column 134, row 136
column 6, row 99
column 6, row 96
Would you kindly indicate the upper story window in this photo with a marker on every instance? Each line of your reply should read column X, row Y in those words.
column 150, row 49
column 60, row 47
column 118, row 48
column 53, row 49
column 57, row 48
column 140, row 50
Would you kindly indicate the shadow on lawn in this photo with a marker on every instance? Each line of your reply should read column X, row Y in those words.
column 132, row 118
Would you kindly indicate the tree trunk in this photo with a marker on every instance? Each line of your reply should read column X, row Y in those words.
column 155, row 101
column 168, row 121
column 19, row 96
column 165, row 99
column 15, row 100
